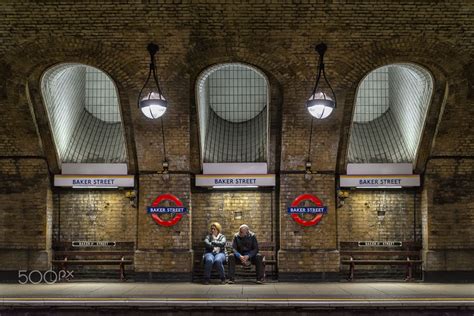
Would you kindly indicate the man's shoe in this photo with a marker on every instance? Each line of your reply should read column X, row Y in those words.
column 223, row 282
column 205, row 282
column 260, row 281
column 231, row 281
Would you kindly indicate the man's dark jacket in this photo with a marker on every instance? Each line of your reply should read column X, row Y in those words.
column 246, row 245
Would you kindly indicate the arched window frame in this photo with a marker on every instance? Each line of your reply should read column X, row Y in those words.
column 202, row 105
column 45, row 99
column 428, row 100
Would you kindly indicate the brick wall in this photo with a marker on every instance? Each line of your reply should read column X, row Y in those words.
column 358, row 219
column 93, row 216
column 448, row 215
column 25, row 217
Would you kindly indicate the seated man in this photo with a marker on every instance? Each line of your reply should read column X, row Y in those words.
column 245, row 249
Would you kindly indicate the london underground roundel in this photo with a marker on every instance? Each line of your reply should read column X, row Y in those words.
column 155, row 210
column 319, row 209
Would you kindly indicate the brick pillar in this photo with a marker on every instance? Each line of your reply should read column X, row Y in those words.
column 308, row 252
column 163, row 252
column 26, row 215
column 447, row 220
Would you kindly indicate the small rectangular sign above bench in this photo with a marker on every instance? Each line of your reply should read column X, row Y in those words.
column 379, row 243
column 94, row 243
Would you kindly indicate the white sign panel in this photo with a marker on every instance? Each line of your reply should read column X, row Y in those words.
column 380, row 181
column 379, row 168
column 94, row 168
column 235, row 180
column 235, row 168
column 93, row 182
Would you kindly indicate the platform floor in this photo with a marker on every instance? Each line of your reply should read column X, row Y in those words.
column 249, row 295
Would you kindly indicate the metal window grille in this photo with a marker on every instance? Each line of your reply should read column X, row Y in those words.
column 390, row 111
column 233, row 114
column 101, row 97
column 83, row 109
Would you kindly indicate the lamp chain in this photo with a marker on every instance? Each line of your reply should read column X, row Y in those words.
column 153, row 68
column 310, row 139
column 163, row 139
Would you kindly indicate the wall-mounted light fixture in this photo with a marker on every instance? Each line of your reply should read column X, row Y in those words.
column 132, row 196
column 152, row 103
column 150, row 99
column 380, row 215
column 341, row 197
column 322, row 101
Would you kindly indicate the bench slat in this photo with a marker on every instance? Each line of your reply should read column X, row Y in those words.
column 92, row 262
column 93, row 253
column 378, row 253
column 377, row 262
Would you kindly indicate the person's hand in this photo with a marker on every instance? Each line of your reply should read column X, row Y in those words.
column 245, row 260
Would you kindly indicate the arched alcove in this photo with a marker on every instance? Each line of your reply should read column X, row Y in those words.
column 84, row 114
column 390, row 111
column 233, row 113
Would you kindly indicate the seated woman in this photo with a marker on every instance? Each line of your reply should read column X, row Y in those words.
column 215, row 253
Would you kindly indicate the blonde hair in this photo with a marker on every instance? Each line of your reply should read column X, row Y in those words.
column 217, row 226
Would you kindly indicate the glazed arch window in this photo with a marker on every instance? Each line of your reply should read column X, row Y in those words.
column 84, row 114
column 390, row 111
column 233, row 114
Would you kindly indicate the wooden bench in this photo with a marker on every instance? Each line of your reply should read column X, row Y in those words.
column 67, row 254
column 405, row 253
column 266, row 249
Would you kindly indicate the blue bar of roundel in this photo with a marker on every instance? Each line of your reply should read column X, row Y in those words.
column 166, row 210
column 307, row 210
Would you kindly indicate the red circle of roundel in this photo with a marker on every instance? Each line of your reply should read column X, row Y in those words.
column 305, row 197
column 167, row 197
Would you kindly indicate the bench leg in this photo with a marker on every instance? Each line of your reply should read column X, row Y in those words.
column 409, row 273
column 64, row 267
column 264, row 271
column 122, row 272
column 351, row 272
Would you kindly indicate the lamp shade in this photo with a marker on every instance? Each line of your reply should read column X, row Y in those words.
column 153, row 105
column 320, row 105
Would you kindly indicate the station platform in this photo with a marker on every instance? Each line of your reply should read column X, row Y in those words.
column 326, row 298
